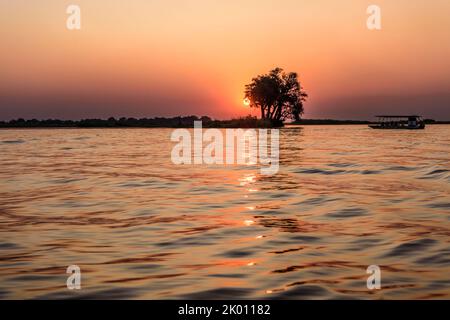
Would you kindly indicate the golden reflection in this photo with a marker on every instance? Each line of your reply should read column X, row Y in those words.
column 247, row 179
column 249, row 222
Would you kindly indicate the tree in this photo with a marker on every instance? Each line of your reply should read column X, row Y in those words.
column 277, row 94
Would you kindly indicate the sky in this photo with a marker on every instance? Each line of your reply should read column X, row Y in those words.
column 147, row 58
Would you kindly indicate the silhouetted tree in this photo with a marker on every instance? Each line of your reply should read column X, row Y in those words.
column 277, row 94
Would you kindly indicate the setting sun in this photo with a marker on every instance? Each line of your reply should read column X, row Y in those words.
column 246, row 102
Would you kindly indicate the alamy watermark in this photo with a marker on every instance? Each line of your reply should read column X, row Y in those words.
column 73, row 21
column 374, row 280
column 74, row 280
column 227, row 147
column 374, row 20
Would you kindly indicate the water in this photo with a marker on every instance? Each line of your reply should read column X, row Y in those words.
column 111, row 202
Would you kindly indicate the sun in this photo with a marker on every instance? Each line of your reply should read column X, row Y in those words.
column 246, row 102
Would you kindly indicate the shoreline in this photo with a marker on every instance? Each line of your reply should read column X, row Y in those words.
column 176, row 122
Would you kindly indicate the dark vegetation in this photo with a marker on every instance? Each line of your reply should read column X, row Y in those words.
column 329, row 121
column 176, row 122
column 278, row 96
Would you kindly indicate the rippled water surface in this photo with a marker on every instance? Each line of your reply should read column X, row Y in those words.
column 111, row 202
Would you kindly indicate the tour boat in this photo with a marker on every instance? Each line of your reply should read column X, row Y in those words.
column 399, row 122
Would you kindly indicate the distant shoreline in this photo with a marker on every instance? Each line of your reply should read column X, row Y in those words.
column 175, row 122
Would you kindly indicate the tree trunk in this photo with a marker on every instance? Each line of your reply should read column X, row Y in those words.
column 263, row 115
column 276, row 113
column 270, row 113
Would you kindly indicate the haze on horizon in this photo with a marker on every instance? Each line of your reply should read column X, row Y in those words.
column 140, row 58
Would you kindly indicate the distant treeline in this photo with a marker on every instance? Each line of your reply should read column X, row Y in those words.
column 329, row 121
column 175, row 122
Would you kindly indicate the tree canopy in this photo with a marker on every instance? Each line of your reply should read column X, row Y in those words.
column 277, row 94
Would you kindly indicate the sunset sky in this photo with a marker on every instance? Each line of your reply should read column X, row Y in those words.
column 146, row 58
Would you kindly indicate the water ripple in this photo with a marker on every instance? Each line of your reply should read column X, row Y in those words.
column 138, row 226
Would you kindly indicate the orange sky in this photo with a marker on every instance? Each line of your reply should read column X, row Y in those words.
column 179, row 57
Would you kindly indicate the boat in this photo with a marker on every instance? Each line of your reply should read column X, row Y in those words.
column 399, row 122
